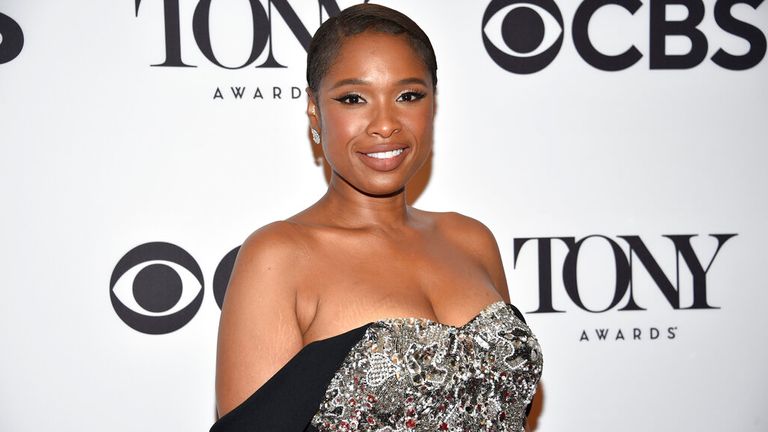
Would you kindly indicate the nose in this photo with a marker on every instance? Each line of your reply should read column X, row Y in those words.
column 385, row 122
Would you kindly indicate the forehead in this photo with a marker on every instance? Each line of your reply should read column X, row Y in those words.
column 376, row 56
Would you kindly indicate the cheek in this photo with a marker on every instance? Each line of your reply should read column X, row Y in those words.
column 341, row 127
column 421, row 124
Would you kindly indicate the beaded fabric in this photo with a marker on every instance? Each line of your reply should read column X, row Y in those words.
column 414, row 374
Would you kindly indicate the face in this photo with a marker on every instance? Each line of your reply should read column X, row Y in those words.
column 374, row 110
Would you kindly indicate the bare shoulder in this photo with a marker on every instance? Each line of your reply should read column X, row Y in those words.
column 476, row 239
column 266, row 266
column 259, row 329
column 276, row 241
column 470, row 232
column 458, row 220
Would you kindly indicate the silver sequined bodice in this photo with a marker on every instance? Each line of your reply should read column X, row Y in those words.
column 412, row 374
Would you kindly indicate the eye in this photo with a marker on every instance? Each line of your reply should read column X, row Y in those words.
column 410, row 96
column 351, row 99
column 156, row 288
column 522, row 36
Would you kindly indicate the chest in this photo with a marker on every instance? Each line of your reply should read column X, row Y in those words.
column 429, row 266
column 352, row 282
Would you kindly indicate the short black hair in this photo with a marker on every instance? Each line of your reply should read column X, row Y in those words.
column 357, row 19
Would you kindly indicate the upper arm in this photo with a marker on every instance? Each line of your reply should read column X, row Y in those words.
column 258, row 328
column 481, row 243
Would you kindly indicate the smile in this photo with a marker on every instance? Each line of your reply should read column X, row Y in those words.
column 387, row 159
column 385, row 154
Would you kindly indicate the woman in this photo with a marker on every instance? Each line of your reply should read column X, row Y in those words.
column 309, row 338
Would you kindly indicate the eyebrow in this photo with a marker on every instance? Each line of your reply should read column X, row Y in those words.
column 413, row 80
column 349, row 81
column 357, row 81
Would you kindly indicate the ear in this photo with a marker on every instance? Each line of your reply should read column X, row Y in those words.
column 313, row 111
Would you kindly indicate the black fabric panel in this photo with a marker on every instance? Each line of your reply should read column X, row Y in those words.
column 292, row 396
column 517, row 312
column 520, row 315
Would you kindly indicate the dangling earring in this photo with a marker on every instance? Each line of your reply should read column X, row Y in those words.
column 315, row 136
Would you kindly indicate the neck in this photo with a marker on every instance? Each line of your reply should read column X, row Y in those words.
column 353, row 208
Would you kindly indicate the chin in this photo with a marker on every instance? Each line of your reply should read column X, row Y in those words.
column 376, row 184
column 382, row 189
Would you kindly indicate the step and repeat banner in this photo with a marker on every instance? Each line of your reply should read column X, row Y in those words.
column 616, row 148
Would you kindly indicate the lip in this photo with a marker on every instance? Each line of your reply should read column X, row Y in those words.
column 383, row 165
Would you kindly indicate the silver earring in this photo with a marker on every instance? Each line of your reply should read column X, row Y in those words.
column 315, row 136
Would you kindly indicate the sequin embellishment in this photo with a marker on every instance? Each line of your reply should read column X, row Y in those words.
column 412, row 374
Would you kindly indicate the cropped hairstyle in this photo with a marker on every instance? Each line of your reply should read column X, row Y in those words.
column 357, row 19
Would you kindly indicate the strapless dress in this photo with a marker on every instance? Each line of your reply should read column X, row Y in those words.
column 403, row 374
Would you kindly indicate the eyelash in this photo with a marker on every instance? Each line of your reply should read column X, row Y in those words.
column 416, row 95
column 346, row 99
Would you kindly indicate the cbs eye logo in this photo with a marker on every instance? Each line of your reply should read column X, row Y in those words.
column 157, row 288
column 11, row 38
column 522, row 36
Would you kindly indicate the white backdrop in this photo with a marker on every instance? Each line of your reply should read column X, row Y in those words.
column 102, row 152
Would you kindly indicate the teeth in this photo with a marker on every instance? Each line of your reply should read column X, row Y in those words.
column 386, row 154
